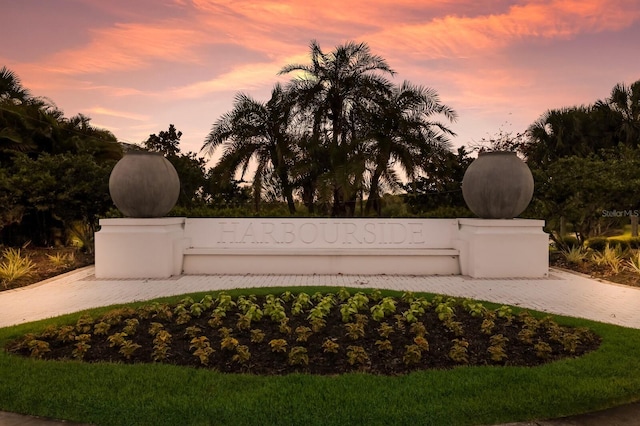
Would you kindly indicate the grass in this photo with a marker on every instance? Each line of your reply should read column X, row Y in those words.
column 156, row 394
column 625, row 236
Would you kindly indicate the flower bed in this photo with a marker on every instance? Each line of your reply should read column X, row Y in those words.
column 322, row 333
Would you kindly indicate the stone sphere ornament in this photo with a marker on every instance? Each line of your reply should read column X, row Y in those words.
column 144, row 184
column 497, row 185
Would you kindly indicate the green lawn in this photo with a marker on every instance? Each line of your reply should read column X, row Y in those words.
column 155, row 394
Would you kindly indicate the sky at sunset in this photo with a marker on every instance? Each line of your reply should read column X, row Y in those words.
column 135, row 66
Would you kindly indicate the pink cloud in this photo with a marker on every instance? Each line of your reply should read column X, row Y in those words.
column 127, row 47
column 193, row 49
column 460, row 36
column 101, row 111
column 280, row 29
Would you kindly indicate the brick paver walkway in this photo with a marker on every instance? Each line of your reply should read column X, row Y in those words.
column 561, row 293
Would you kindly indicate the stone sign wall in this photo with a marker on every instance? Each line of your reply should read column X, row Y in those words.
column 162, row 247
column 320, row 233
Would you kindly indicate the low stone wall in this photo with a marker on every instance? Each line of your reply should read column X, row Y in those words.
column 158, row 248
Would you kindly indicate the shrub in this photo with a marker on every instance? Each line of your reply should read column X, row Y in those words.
column 14, row 266
column 597, row 243
column 575, row 255
column 611, row 256
column 634, row 243
column 621, row 244
column 633, row 263
column 61, row 259
column 568, row 243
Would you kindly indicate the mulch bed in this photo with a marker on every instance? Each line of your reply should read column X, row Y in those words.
column 263, row 360
column 45, row 267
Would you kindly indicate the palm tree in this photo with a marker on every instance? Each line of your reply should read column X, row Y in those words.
column 563, row 133
column 13, row 97
column 625, row 100
column 332, row 91
column 402, row 133
column 11, row 88
column 258, row 131
column 30, row 126
column 587, row 130
column 79, row 136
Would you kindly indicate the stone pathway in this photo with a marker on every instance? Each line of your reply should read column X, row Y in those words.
column 562, row 292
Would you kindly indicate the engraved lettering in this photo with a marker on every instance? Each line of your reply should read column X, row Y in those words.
column 325, row 236
column 267, row 231
column 248, row 234
column 311, row 235
column 326, row 233
column 398, row 233
column 370, row 233
column 224, row 230
column 288, row 235
column 415, row 230
column 349, row 233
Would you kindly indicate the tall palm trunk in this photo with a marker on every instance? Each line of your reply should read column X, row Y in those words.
column 373, row 201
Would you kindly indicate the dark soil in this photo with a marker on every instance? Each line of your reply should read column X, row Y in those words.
column 45, row 267
column 352, row 354
column 603, row 272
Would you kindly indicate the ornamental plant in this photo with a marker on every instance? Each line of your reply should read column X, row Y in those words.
column 278, row 345
column 38, row 348
column 242, row 355
column 298, row 356
column 354, row 330
column 412, row 354
column 192, row 331
column 385, row 330
column 498, row 348
column 82, row 346
column 84, row 324
column 384, row 345
column 14, row 266
column 161, row 345
column 257, row 336
column 459, row 351
column 67, row 333
column 330, row 346
column 128, row 348
column 357, row 355
column 303, row 333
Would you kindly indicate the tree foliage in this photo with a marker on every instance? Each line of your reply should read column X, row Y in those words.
column 51, row 192
column 439, row 190
column 337, row 131
column 260, row 131
column 54, row 170
column 585, row 162
column 191, row 169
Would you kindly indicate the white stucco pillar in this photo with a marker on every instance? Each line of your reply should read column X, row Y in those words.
column 140, row 248
column 503, row 248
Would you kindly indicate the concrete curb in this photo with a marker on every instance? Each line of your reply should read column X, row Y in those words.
column 67, row 277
